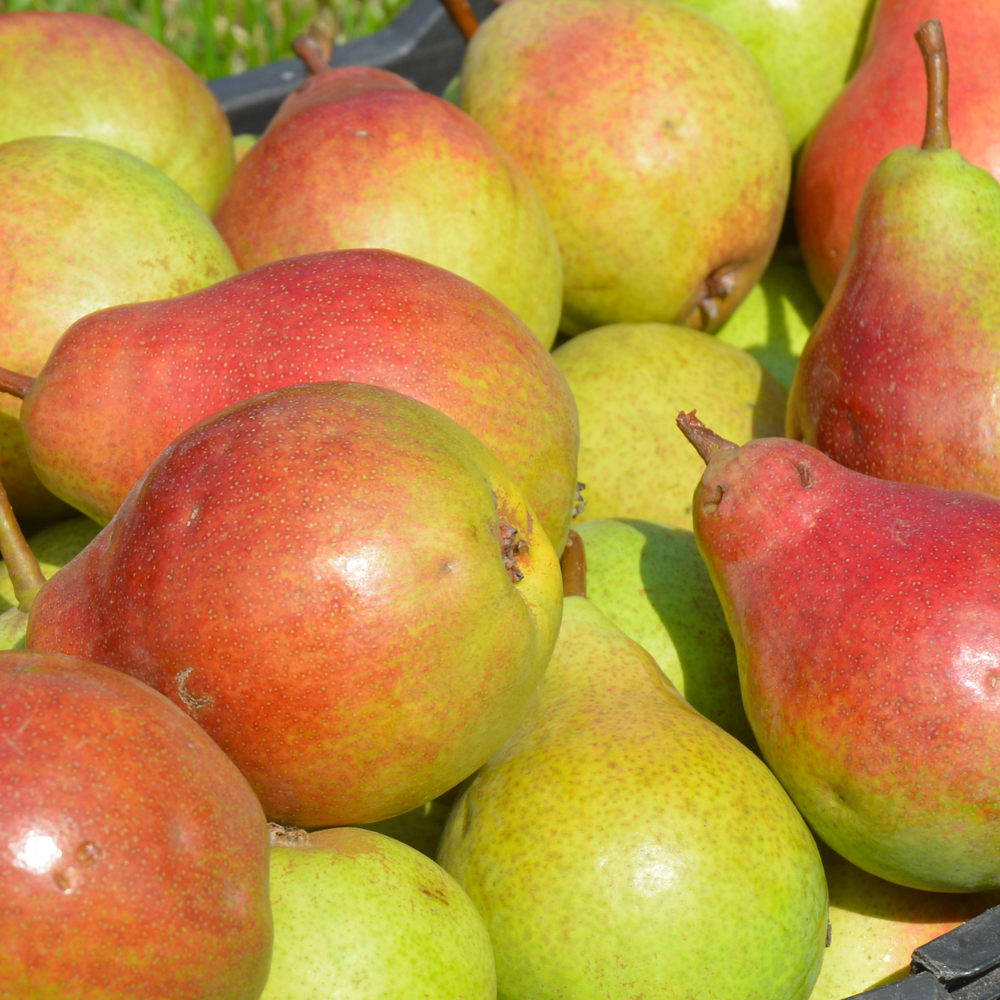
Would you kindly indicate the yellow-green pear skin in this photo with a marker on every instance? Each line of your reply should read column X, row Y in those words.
column 630, row 380
column 876, row 925
column 53, row 547
column 774, row 321
column 651, row 581
column 807, row 49
column 360, row 916
column 620, row 845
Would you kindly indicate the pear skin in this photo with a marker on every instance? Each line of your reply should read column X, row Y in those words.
column 866, row 616
column 651, row 581
column 358, row 915
column 620, row 845
column 629, row 381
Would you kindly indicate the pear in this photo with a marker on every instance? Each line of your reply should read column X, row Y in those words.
column 360, row 916
column 774, row 321
column 882, row 109
column 651, row 581
column 75, row 74
column 339, row 583
column 629, row 380
column 121, row 384
column 359, row 157
column 621, row 845
column 899, row 379
column 654, row 142
column 866, row 617
column 808, row 49
column 84, row 226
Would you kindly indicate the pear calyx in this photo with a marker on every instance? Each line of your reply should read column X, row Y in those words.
column 574, row 567
column 510, row 548
column 706, row 442
column 287, row 836
column 930, row 38
column 14, row 383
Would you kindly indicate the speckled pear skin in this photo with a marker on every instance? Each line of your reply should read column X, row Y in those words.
column 395, row 167
column 84, row 226
column 360, row 916
column 654, row 141
column 651, row 581
column 620, row 845
column 866, row 616
column 876, row 925
column 319, row 577
column 899, row 377
column 126, row 836
column 629, row 380
column 75, row 74
column 121, row 385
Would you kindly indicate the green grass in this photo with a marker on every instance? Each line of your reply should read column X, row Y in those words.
column 219, row 37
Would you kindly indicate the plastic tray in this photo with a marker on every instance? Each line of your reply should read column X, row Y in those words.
column 424, row 46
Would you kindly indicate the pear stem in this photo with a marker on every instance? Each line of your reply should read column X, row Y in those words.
column 14, row 383
column 930, row 38
column 462, row 16
column 312, row 53
column 574, row 567
column 25, row 573
column 706, row 442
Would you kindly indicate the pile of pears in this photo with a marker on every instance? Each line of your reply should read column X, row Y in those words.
column 512, row 545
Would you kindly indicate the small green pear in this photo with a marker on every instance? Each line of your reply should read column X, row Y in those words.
column 620, row 845
column 360, row 916
column 651, row 582
column 629, row 381
column 774, row 321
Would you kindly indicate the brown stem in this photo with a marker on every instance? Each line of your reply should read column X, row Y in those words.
column 14, row 383
column 25, row 573
column 706, row 442
column 574, row 567
column 312, row 53
column 461, row 14
column 930, row 38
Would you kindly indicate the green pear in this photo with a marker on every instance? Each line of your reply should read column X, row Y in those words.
column 629, row 381
column 652, row 583
column 74, row 74
column 774, row 321
column 807, row 49
column 621, row 845
column 656, row 146
column 84, row 226
column 360, row 916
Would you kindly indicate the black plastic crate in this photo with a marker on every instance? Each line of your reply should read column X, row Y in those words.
column 425, row 47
